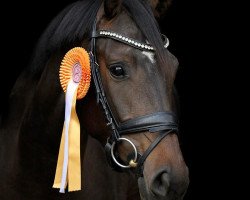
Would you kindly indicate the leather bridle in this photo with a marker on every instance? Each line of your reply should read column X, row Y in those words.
column 163, row 123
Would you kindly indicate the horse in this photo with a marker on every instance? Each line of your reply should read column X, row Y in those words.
column 128, row 121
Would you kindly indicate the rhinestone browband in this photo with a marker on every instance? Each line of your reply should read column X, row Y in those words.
column 129, row 41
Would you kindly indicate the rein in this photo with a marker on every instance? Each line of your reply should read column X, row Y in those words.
column 163, row 123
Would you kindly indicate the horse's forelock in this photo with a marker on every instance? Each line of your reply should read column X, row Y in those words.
column 141, row 10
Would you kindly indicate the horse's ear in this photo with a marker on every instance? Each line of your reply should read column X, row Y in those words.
column 159, row 7
column 112, row 7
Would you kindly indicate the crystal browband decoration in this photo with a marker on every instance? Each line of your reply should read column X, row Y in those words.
column 127, row 40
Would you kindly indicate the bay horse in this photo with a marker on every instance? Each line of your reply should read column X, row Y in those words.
column 133, row 80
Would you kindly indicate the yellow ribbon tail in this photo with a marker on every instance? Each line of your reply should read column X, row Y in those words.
column 73, row 163
column 59, row 167
column 74, row 168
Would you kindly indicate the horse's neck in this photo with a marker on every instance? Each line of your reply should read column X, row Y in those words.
column 18, row 102
column 34, row 154
column 31, row 131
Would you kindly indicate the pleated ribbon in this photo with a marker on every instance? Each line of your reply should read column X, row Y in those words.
column 75, row 80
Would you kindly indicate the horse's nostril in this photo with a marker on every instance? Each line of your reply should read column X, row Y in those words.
column 171, row 185
column 160, row 184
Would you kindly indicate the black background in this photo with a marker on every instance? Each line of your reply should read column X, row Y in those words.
column 190, row 27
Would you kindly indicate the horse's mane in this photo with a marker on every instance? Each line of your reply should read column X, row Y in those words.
column 75, row 22
column 65, row 30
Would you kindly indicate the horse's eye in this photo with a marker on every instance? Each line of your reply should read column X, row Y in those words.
column 117, row 71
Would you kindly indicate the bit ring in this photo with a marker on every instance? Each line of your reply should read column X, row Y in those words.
column 132, row 162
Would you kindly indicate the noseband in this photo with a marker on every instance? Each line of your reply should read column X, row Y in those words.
column 159, row 122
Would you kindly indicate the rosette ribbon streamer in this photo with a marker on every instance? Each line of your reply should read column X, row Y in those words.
column 75, row 79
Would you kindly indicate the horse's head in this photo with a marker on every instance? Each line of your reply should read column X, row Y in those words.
column 137, row 75
column 132, row 75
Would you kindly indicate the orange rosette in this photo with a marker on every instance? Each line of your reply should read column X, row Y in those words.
column 76, row 66
column 75, row 76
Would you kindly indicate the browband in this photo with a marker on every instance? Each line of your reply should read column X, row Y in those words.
column 127, row 40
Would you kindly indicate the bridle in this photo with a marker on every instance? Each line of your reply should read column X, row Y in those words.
column 163, row 123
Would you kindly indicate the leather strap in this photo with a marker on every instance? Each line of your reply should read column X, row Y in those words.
column 127, row 40
column 124, row 39
column 155, row 122
column 101, row 97
column 139, row 171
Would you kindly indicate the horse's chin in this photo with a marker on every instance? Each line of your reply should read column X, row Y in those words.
column 147, row 195
column 142, row 188
column 144, row 192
